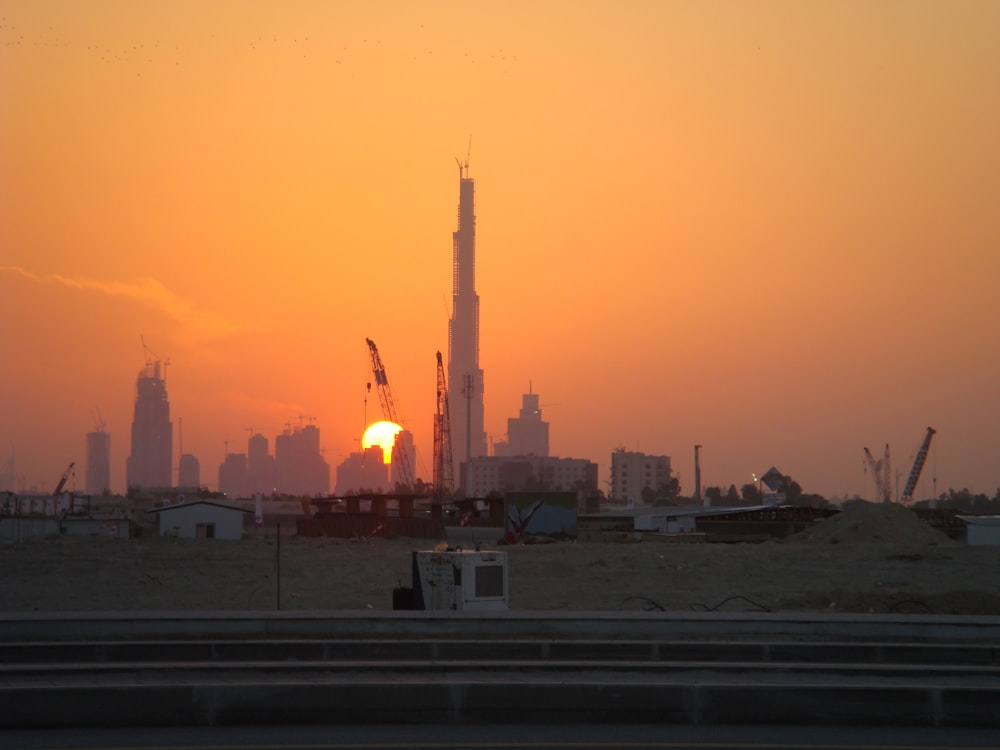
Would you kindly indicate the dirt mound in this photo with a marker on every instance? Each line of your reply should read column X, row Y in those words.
column 862, row 522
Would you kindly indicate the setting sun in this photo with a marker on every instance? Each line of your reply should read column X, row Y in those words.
column 382, row 434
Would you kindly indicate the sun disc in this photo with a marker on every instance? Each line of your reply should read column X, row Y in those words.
column 383, row 434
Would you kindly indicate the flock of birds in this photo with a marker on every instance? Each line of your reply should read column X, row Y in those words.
column 154, row 52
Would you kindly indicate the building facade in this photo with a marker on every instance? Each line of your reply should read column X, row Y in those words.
column 363, row 471
column 631, row 472
column 465, row 377
column 260, row 466
column 233, row 476
column 150, row 464
column 527, row 433
column 299, row 467
column 189, row 471
column 501, row 474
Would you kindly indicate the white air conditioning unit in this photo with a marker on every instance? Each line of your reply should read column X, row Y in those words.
column 459, row 579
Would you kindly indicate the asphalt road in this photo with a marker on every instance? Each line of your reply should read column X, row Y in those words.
column 527, row 737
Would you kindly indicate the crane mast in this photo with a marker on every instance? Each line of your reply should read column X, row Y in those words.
column 883, row 477
column 876, row 469
column 443, row 467
column 918, row 465
column 389, row 410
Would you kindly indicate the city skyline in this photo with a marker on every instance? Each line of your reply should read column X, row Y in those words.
column 765, row 228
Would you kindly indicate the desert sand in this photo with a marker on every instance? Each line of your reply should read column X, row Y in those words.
column 870, row 558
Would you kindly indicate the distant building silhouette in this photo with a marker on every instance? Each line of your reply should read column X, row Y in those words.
column 150, row 462
column 631, row 472
column 299, row 466
column 499, row 474
column 527, row 434
column 363, row 471
column 404, row 443
column 465, row 378
column 260, row 467
column 233, row 476
column 189, row 472
column 98, row 481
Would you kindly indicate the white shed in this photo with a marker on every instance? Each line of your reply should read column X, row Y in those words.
column 200, row 520
column 982, row 529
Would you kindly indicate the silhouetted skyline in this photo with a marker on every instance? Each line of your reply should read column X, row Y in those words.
column 765, row 228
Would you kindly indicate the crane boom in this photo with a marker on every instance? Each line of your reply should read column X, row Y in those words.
column 444, row 471
column 62, row 480
column 389, row 410
column 918, row 465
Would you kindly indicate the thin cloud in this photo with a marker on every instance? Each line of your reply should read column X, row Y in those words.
column 148, row 292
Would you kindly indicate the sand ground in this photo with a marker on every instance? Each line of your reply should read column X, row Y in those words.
column 850, row 563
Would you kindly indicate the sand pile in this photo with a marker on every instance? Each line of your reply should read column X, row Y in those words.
column 871, row 523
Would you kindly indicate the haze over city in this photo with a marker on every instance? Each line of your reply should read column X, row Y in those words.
column 768, row 228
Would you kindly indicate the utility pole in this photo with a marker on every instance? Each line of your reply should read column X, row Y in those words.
column 697, row 474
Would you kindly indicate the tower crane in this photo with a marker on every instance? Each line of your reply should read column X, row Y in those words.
column 444, row 470
column 389, row 410
column 463, row 168
column 918, row 465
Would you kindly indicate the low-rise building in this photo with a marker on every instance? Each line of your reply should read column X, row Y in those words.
column 200, row 520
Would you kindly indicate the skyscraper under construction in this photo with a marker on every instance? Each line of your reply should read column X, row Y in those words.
column 150, row 462
column 465, row 377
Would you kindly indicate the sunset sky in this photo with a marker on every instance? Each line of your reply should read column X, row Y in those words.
column 769, row 228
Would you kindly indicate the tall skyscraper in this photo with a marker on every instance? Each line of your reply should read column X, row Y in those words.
column 98, row 462
column 151, row 461
column 260, row 466
column 465, row 378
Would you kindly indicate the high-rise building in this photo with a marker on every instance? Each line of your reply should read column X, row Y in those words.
column 98, row 463
column 465, row 378
column 189, row 471
column 527, row 433
column 364, row 471
column 260, row 466
column 150, row 462
column 299, row 467
column 403, row 444
column 233, row 476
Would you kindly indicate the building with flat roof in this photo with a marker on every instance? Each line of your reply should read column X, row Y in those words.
column 632, row 472
column 501, row 474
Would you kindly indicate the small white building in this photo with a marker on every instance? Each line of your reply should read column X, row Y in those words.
column 982, row 529
column 200, row 520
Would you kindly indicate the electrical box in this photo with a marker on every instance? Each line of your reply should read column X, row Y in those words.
column 459, row 579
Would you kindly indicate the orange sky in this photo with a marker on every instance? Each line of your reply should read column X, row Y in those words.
column 770, row 228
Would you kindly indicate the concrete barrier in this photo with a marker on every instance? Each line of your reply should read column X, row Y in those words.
column 127, row 669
